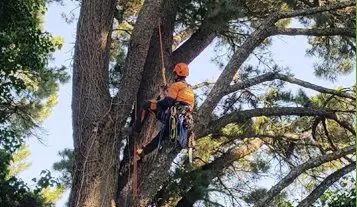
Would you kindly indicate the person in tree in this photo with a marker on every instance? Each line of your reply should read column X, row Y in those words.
column 180, row 95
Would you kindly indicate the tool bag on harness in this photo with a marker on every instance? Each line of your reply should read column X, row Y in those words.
column 181, row 126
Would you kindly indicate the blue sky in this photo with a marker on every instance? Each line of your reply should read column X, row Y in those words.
column 287, row 51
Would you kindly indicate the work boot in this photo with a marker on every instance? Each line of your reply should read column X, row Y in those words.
column 137, row 126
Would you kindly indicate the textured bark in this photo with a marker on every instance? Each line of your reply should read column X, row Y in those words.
column 95, row 172
column 325, row 184
column 96, row 123
column 294, row 173
column 97, row 119
column 149, row 88
column 215, row 95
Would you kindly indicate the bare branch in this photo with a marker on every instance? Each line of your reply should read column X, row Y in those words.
column 350, row 32
column 288, row 78
column 321, row 89
column 294, row 173
column 315, row 10
column 325, row 184
column 205, row 83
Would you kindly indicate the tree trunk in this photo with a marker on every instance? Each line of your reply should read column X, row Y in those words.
column 149, row 89
column 97, row 119
column 95, row 155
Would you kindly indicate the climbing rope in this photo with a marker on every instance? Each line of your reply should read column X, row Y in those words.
column 162, row 57
column 151, row 121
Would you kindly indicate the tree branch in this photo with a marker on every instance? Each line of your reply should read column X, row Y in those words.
column 253, row 41
column 181, row 37
column 325, row 184
column 312, row 163
column 315, row 10
column 350, row 32
column 288, row 78
column 189, row 50
column 241, row 116
column 205, row 83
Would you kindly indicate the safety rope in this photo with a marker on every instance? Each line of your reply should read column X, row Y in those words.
column 151, row 121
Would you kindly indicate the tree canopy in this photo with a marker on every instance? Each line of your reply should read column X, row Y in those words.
column 250, row 127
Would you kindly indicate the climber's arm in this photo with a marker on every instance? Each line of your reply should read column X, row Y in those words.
column 170, row 99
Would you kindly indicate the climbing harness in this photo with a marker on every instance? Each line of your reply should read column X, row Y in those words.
column 181, row 128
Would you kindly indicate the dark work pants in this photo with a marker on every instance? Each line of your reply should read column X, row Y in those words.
column 163, row 134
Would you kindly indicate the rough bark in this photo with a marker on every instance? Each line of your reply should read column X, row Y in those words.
column 95, row 173
column 96, row 123
column 149, row 88
column 294, row 173
column 198, row 41
column 325, row 184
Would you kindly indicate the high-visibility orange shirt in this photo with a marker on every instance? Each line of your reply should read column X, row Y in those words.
column 182, row 92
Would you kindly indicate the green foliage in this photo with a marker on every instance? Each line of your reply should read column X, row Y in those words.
column 345, row 196
column 18, row 162
column 28, row 91
column 65, row 166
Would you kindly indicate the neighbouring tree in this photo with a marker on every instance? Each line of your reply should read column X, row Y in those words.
column 247, row 121
column 28, row 91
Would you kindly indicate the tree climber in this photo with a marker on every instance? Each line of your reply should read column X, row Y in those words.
column 179, row 101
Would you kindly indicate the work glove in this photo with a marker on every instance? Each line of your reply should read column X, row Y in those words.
column 163, row 91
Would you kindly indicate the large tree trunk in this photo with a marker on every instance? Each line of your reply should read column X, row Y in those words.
column 97, row 119
column 95, row 155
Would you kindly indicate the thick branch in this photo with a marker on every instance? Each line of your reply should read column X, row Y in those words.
column 190, row 49
column 325, row 184
column 350, row 32
column 181, row 37
column 288, row 78
column 241, row 116
column 205, row 83
column 226, row 77
column 294, row 173
column 321, row 89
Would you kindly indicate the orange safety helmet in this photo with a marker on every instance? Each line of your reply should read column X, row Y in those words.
column 181, row 69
